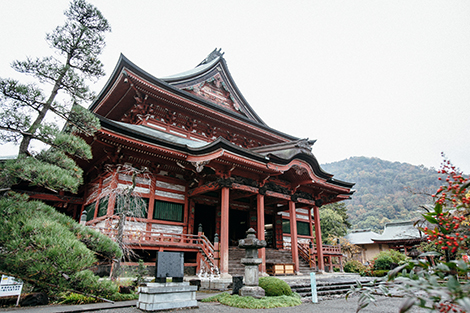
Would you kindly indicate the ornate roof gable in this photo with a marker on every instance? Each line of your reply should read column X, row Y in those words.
column 211, row 80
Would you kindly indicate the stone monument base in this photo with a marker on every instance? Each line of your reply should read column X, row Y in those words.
column 166, row 296
column 253, row 291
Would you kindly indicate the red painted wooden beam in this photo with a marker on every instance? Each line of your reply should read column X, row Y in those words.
column 316, row 217
column 293, row 236
column 224, row 240
column 212, row 186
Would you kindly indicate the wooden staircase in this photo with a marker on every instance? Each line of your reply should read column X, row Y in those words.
column 235, row 254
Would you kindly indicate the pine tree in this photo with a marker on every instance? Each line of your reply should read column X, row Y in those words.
column 23, row 107
column 37, row 243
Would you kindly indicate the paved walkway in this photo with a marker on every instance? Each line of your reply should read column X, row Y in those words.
column 383, row 305
column 339, row 305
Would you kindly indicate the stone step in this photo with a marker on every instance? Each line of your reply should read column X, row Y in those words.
column 324, row 288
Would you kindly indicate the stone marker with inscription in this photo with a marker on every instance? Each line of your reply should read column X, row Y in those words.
column 163, row 295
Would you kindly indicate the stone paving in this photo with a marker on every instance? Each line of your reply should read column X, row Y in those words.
column 336, row 305
column 383, row 305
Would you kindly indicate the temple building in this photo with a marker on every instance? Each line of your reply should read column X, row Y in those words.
column 205, row 167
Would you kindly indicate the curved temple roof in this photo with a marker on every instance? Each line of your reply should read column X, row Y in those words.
column 213, row 75
column 180, row 85
column 194, row 147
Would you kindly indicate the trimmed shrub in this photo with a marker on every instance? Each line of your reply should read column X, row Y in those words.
column 354, row 266
column 385, row 259
column 383, row 262
column 274, row 287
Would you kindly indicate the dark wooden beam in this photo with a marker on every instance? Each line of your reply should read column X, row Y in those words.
column 52, row 197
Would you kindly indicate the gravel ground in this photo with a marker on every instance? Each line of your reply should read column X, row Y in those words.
column 383, row 305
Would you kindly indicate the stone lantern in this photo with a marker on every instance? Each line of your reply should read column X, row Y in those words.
column 251, row 244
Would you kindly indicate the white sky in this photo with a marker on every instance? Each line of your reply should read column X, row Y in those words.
column 387, row 79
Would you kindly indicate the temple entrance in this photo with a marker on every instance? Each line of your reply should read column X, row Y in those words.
column 238, row 225
column 205, row 215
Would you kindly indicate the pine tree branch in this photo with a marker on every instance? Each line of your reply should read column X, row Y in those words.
column 40, row 283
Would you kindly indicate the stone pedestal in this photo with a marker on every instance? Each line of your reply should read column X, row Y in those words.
column 166, row 296
column 253, row 291
column 251, row 287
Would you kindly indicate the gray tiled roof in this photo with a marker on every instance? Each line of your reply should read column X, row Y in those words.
column 399, row 231
column 198, row 69
column 162, row 135
column 361, row 236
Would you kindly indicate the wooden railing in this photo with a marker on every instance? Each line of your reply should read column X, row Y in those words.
column 304, row 253
column 152, row 238
column 208, row 256
column 327, row 249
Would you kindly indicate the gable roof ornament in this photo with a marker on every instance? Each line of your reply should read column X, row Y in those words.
column 212, row 56
column 287, row 149
column 305, row 145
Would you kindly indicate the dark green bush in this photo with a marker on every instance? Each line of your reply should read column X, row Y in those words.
column 274, row 287
column 354, row 266
column 385, row 259
column 383, row 262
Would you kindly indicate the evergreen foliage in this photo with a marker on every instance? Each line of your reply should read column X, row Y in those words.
column 385, row 191
column 334, row 222
column 46, row 246
column 23, row 107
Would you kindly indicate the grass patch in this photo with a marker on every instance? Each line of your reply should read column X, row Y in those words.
column 252, row 303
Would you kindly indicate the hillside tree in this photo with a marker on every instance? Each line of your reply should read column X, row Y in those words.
column 25, row 106
column 334, row 221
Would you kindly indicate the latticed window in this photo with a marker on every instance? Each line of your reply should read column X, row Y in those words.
column 303, row 228
column 168, row 211
column 90, row 211
column 103, row 206
column 135, row 206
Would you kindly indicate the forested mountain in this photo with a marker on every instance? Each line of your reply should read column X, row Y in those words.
column 385, row 191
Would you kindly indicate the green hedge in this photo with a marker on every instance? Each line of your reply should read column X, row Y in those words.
column 274, row 287
column 385, row 259
column 354, row 266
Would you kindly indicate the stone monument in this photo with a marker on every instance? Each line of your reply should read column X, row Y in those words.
column 169, row 264
column 251, row 244
column 163, row 295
